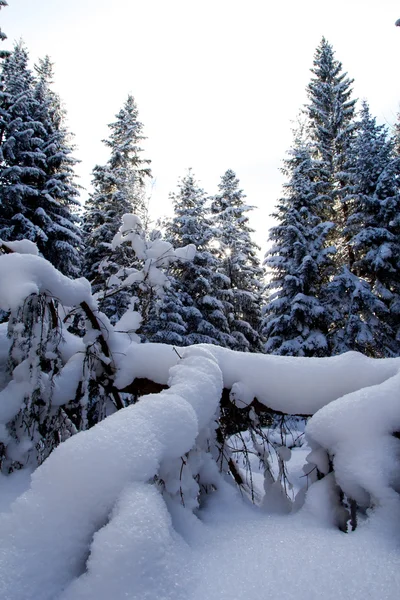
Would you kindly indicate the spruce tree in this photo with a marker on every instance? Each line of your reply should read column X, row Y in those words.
column 239, row 262
column 331, row 129
column 58, row 215
column 373, row 234
column 118, row 189
column 198, row 285
column 295, row 320
column 22, row 160
column 38, row 194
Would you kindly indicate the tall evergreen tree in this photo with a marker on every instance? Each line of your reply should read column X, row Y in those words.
column 38, row 194
column 373, row 234
column 197, row 286
column 330, row 112
column 22, row 160
column 118, row 189
column 295, row 320
column 58, row 215
column 239, row 262
column 308, row 241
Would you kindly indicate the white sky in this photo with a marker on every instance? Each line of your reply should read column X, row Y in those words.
column 217, row 83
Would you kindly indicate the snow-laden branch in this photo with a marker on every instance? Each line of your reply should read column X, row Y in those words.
column 74, row 493
column 292, row 385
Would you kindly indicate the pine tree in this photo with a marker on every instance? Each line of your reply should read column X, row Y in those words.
column 295, row 320
column 118, row 189
column 238, row 261
column 354, row 309
column 198, row 286
column 37, row 180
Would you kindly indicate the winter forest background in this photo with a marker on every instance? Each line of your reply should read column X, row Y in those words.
column 167, row 398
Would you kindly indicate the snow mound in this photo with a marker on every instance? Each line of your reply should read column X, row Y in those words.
column 357, row 432
column 92, row 488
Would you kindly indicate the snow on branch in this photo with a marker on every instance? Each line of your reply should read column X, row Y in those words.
column 73, row 493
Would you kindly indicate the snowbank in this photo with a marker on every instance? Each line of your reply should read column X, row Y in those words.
column 357, row 432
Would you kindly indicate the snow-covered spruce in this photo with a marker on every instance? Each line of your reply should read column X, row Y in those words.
column 39, row 194
column 295, row 320
column 200, row 292
column 119, row 188
column 238, row 261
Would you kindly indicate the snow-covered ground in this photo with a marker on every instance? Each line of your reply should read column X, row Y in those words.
column 231, row 551
column 142, row 506
column 241, row 553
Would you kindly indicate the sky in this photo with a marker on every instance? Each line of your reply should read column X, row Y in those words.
column 218, row 83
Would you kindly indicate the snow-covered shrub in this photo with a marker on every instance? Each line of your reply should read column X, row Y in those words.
column 355, row 444
column 34, row 416
column 55, row 382
column 147, row 280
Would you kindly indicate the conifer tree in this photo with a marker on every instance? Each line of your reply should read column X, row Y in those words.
column 22, row 160
column 237, row 254
column 198, row 285
column 295, row 320
column 58, row 214
column 38, row 193
column 370, row 284
column 331, row 129
column 118, row 189
column 330, row 112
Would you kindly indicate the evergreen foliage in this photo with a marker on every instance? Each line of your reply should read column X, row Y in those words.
column 38, row 194
column 295, row 321
column 330, row 112
column 118, row 190
column 334, row 255
column 373, row 235
column 238, row 261
column 200, row 290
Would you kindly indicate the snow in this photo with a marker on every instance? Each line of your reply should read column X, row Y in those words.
column 103, row 517
column 357, row 431
column 22, row 246
column 75, row 491
column 29, row 274
column 136, row 507
column 129, row 322
column 66, row 383
column 243, row 554
column 293, row 385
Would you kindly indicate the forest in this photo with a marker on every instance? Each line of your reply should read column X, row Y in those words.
column 173, row 409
